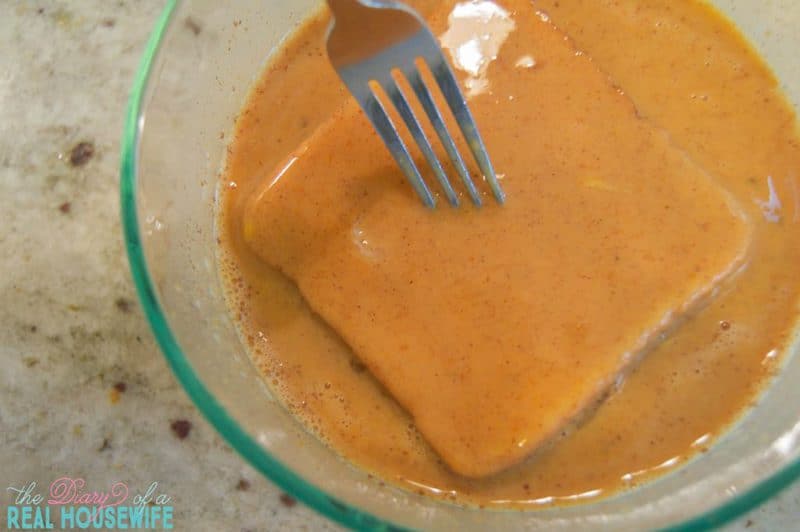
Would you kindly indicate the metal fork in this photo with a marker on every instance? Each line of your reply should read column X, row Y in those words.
column 367, row 42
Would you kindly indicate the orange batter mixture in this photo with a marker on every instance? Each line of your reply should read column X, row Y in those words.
column 498, row 329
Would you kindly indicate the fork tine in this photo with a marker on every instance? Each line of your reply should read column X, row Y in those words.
column 435, row 117
column 449, row 86
column 383, row 125
column 407, row 114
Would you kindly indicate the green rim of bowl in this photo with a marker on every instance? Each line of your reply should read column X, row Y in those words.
column 228, row 427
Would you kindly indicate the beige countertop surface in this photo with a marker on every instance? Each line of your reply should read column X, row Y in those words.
column 84, row 390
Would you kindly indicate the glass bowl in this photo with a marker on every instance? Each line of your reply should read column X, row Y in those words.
column 198, row 66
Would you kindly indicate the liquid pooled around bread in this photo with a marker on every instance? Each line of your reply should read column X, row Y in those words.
column 494, row 328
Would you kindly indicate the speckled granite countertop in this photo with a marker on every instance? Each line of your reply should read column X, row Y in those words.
column 84, row 391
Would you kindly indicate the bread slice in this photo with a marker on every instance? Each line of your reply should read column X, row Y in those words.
column 497, row 327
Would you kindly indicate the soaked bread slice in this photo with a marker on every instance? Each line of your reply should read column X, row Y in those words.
column 497, row 327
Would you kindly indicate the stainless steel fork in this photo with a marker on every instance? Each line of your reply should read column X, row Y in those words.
column 367, row 42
